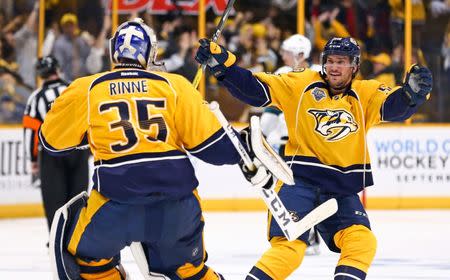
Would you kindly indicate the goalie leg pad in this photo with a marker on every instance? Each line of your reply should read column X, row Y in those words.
column 63, row 264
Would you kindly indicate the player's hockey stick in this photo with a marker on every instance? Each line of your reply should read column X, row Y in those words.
column 220, row 26
column 292, row 230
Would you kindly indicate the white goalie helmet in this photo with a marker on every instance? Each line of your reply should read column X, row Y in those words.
column 297, row 44
column 134, row 40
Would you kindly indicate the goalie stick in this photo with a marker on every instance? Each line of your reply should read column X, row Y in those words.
column 216, row 35
column 292, row 230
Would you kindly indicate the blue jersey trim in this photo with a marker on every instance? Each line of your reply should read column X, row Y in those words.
column 318, row 85
column 217, row 149
column 343, row 272
column 140, row 181
column 331, row 178
column 52, row 150
column 139, row 156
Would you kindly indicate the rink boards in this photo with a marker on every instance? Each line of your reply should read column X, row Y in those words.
column 411, row 167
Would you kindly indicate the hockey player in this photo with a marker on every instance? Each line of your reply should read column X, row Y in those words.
column 61, row 178
column 327, row 115
column 294, row 51
column 139, row 125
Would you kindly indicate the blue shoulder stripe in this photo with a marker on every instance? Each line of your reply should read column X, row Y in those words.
column 317, row 84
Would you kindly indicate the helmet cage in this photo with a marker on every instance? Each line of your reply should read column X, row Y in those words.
column 145, row 48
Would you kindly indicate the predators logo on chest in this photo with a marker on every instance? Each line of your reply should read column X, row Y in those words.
column 334, row 125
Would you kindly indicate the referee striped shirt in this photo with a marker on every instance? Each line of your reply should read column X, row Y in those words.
column 38, row 105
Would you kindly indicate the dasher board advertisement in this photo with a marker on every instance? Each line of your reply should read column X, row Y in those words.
column 410, row 160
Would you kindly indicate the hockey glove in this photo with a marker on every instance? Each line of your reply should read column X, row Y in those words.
column 417, row 84
column 216, row 57
column 259, row 177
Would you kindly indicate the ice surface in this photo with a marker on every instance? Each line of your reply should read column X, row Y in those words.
column 412, row 245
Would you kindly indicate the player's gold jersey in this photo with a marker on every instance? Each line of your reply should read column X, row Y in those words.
column 327, row 134
column 139, row 125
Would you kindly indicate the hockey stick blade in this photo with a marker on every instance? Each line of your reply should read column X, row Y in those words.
column 317, row 215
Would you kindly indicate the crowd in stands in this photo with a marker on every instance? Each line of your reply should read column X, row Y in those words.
column 77, row 31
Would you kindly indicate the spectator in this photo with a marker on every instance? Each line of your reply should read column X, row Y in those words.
column 398, row 21
column 96, row 61
column 25, row 44
column 326, row 27
column 382, row 71
column 178, row 56
column 10, row 111
column 70, row 49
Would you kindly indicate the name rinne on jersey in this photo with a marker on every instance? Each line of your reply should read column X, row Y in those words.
column 126, row 87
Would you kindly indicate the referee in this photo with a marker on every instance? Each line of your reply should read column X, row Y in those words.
column 61, row 177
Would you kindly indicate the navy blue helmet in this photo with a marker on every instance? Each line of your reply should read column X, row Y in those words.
column 341, row 46
column 135, row 41
column 46, row 66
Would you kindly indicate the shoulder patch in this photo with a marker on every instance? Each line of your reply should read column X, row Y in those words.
column 318, row 94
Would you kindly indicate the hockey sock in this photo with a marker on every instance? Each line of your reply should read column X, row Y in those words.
column 344, row 272
column 358, row 246
column 280, row 260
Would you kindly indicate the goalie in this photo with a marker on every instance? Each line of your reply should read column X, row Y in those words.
column 327, row 116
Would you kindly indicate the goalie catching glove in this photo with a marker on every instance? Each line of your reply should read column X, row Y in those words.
column 268, row 166
column 417, row 84
column 216, row 57
column 259, row 177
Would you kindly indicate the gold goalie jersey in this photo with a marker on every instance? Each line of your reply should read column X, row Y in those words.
column 139, row 125
column 327, row 134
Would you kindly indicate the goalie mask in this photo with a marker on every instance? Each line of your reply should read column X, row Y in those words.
column 342, row 46
column 134, row 41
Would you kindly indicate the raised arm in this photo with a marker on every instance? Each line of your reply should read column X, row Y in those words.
column 405, row 101
column 240, row 82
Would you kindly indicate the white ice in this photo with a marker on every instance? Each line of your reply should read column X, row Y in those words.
column 412, row 245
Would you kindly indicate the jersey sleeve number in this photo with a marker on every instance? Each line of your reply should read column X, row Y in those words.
column 144, row 119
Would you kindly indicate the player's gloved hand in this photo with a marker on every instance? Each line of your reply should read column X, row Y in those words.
column 216, row 57
column 417, row 84
column 259, row 177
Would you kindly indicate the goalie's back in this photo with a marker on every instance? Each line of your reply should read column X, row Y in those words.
column 133, row 111
column 139, row 125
